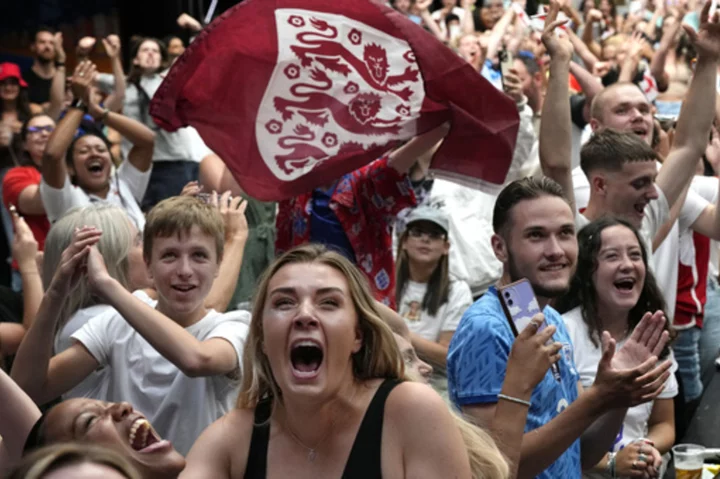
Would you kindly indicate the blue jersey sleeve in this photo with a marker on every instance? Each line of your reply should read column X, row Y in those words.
column 478, row 355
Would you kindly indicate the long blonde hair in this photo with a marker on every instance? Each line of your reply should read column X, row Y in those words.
column 379, row 356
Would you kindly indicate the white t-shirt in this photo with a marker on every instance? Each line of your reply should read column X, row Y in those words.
column 587, row 357
column 179, row 407
column 95, row 385
column 448, row 315
column 127, row 188
column 657, row 213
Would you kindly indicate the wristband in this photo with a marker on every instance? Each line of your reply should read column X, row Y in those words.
column 79, row 104
column 611, row 465
column 514, row 399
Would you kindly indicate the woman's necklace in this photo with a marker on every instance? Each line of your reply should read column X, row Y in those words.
column 312, row 451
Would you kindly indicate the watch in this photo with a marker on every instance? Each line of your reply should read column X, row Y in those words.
column 79, row 104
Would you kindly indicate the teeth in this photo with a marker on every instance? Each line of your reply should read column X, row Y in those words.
column 134, row 429
column 306, row 343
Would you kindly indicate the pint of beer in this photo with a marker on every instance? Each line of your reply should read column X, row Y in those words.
column 688, row 459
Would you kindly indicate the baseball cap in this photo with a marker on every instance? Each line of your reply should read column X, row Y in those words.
column 428, row 213
column 11, row 70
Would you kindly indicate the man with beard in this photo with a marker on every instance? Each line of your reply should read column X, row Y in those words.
column 535, row 239
column 40, row 75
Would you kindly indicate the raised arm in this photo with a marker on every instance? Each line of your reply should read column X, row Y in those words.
column 657, row 65
column 498, row 33
column 194, row 358
column 693, row 126
column 57, row 87
column 114, row 101
column 42, row 376
column 588, row 57
column 236, row 234
column 423, row 7
column 590, row 85
column 24, row 251
column 405, row 157
column 19, row 414
column 54, row 170
column 555, row 137
column 594, row 16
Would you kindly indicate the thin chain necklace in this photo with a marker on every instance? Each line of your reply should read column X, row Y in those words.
column 312, row 451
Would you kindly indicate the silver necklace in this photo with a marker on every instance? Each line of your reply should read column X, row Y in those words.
column 312, row 451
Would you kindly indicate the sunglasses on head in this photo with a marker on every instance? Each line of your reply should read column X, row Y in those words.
column 38, row 129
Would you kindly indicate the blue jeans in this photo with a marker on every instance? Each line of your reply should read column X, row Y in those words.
column 710, row 339
column 687, row 354
column 168, row 179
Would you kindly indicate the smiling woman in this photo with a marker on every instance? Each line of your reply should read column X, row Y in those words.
column 323, row 390
column 611, row 291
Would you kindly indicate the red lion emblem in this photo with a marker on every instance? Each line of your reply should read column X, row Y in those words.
column 358, row 117
column 302, row 151
column 322, row 47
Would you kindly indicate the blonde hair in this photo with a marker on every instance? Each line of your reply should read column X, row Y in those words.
column 114, row 246
column 486, row 459
column 379, row 356
column 178, row 215
column 48, row 459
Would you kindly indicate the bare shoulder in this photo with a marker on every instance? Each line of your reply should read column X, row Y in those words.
column 411, row 401
column 222, row 449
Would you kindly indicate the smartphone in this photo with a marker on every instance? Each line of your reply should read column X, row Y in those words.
column 506, row 62
column 520, row 306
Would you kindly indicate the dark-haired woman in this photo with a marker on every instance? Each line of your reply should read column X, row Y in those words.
column 14, row 110
column 610, row 293
column 176, row 155
column 77, row 171
column 430, row 301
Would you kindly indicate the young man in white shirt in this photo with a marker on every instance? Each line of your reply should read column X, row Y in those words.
column 179, row 362
column 629, row 185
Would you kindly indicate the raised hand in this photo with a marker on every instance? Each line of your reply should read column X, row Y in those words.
column 233, row 214
column 25, row 246
column 192, row 188
column 82, row 79
column 600, row 69
column 530, row 356
column 186, row 21
column 97, row 273
column 111, row 43
column 72, row 261
column 512, row 85
column 60, row 56
column 707, row 39
column 637, row 45
column 631, row 376
column 85, row 46
column 558, row 46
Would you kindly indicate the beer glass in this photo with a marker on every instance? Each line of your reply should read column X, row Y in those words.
column 688, row 459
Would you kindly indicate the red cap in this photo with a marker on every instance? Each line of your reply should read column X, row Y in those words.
column 11, row 70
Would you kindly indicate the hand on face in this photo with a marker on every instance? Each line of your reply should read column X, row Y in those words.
column 531, row 356
column 631, row 376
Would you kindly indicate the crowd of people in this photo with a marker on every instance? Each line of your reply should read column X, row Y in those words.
column 158, row 322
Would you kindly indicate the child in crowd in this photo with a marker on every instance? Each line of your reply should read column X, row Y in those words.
column 179, row 362
column 430, row 301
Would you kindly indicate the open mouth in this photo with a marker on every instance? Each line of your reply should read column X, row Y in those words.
column 553, row 267
column 183, row 288
column 640, row 208
column 306, row 356
column 95, row 167
column 142, row 436
column 625, row 284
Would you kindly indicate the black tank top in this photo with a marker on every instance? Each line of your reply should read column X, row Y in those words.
column 366, row 452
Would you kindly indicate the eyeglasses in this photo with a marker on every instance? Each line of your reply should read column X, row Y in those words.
column 38, row 129
column 416, row 232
